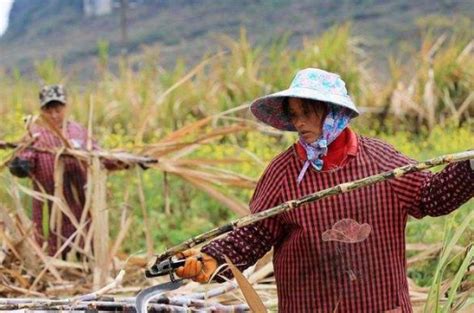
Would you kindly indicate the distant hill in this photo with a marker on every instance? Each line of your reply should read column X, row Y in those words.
column 189, row 28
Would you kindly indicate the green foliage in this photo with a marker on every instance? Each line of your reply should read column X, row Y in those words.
column 48, row 71
column 103, row 48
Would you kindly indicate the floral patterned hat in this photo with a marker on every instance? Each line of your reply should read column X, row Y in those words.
column 310, row 83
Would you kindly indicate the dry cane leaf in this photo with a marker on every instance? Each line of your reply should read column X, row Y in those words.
column 253, row 300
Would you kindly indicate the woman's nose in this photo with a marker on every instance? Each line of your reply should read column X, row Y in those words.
column 298, row 122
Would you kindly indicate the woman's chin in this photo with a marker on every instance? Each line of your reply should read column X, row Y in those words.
column 309, row 139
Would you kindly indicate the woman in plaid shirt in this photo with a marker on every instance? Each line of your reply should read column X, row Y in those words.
column 40, row 167
column 344, row 253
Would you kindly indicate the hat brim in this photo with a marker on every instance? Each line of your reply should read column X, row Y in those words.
column 58, row 99
column 269, row 109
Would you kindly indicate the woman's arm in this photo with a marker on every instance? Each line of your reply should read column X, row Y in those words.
column 247, row 245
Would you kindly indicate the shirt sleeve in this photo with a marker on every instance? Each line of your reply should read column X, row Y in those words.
column 446, row 191
column 424, row 193
column 245, row 246
column 31, row 155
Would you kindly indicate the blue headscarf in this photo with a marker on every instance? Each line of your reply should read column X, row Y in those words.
column 335, row 122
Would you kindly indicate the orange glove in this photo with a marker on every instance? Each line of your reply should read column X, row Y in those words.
column 199, row 271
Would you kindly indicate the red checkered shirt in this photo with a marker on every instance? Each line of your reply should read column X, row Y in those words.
column 42, row 164
column 313, row 275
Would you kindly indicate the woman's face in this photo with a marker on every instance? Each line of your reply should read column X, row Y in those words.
column 55, row 113
column 307, row 116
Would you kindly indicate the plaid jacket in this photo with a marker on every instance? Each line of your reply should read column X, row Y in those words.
column 74, row 179
column 314, row 275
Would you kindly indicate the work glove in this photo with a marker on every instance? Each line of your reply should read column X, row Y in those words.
column 199, row 271
column 19, row 167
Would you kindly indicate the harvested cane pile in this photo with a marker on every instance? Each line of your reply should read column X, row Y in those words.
column 26, row 286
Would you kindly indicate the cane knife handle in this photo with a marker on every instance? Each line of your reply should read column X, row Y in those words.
column 166, row 267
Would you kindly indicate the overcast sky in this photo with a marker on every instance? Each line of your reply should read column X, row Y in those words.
column 5, row 6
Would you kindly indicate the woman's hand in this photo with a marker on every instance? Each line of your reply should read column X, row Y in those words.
column 199, row 271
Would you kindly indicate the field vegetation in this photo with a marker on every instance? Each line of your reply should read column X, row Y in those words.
column 211, row 151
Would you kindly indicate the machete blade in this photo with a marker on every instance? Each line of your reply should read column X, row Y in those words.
column 144, row 296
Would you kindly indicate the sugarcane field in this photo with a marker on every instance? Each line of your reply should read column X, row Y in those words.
column 236, row 156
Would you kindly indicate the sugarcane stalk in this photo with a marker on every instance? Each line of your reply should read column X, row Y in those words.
column 294, row 204
column 102, row 306
column 8, row 145
column 85, row 155
column 125, row 306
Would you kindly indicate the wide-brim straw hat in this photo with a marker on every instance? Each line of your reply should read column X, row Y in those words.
column 310, row 83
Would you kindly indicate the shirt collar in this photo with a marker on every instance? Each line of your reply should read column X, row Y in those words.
column 347, row 140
